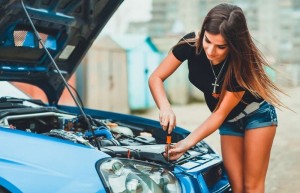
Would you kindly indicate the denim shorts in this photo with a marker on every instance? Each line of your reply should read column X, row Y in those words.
column 264, row 116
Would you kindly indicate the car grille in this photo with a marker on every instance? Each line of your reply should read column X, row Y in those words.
column 212, row 175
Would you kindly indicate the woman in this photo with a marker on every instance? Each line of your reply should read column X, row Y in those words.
column 228, row 68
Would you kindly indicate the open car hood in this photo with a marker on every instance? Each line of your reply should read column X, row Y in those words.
column 66, row 27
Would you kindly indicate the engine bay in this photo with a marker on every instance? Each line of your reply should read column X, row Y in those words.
column 118, row 139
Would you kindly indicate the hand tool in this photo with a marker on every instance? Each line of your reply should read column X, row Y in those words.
column 169, row 139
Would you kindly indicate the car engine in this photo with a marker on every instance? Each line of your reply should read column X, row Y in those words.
column 115, row 138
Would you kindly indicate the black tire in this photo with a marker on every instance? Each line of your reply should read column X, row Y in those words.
column 3, row 190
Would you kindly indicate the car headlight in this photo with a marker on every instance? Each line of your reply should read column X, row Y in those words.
column 132, row 176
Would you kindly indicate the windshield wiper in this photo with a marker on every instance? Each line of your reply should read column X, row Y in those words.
column 20, row 100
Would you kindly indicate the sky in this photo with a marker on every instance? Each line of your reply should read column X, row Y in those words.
column 129, row 10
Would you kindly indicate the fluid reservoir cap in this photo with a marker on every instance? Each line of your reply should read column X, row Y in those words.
column 123, row 130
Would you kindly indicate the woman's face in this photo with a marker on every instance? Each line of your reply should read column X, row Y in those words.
column 215, row 47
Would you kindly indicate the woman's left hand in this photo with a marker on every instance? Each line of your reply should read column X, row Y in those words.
column 176, row 150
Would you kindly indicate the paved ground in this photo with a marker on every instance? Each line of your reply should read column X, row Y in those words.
column 284, row 171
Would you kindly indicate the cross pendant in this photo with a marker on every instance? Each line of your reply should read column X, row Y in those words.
column 214, row 93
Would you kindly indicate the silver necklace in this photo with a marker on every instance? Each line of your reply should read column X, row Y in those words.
column 215, row 84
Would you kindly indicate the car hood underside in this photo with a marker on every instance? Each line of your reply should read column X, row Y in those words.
column 67, row 28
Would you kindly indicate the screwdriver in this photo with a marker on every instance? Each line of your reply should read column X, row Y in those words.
column 169, row 139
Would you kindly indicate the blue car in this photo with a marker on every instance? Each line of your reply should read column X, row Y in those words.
column 50, row 148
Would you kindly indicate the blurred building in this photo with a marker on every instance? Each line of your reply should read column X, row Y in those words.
column 169, row 17
column 115, row 72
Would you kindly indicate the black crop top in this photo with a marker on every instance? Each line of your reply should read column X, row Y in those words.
column 201, row 75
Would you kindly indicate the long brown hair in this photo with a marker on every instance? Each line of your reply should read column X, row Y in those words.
column 246, row 61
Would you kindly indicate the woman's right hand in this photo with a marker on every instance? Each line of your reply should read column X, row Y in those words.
column 167, row 119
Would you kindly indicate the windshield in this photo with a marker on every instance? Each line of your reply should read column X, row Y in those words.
column 28, row 91
column 9, row 90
